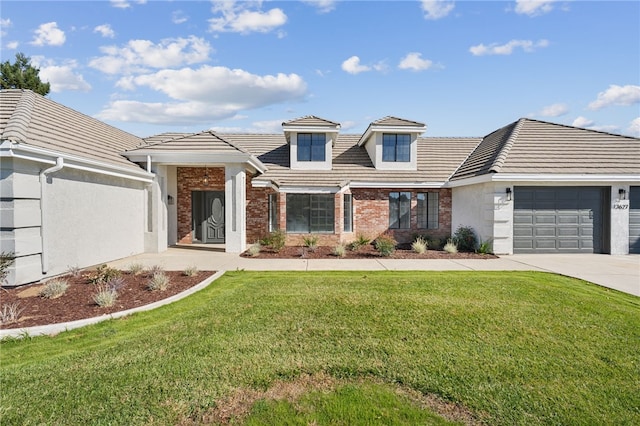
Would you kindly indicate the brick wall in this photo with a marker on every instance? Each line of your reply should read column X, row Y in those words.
column 192, row 179
column 257, row 212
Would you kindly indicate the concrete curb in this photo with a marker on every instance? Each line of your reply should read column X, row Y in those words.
column 53, row 329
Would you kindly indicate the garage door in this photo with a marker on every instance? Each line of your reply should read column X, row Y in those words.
column 634, row 220
column 558, row 219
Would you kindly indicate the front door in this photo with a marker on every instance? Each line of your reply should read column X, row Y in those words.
column 207, row 210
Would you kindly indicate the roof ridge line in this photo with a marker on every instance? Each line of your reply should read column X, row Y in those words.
column 506, row 148
column 465, row 159
column 16, row 129
column 231, row 144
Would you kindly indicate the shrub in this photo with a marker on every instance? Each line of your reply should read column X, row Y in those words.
column 340, row 250
column 10, row 313
column 450, row 247
column 6, row 260
column 465, row 239
column 386, row 245
column 103, row 274
column 74, row 271
column 254, row 249
column 310, row 242
column 420, row 245
column 360, row 242
column 54, row 288
column 105, row 296
column 276, row 240
column 485, row 247
column 115, row 283
column 136, row 268
column 159, row 281
column 190, row 271
column 155, row 269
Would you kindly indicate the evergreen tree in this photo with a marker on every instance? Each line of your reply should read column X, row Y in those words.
column 22, row 75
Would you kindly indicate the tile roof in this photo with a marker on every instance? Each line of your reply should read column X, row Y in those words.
column 310, row 120
column 206, row 141
column 395, row 122
column 537, row 147
column 28, row 118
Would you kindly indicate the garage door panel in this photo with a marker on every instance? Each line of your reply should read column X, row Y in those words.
column 558, row 219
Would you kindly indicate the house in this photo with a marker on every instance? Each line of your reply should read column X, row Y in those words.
column 76, row 191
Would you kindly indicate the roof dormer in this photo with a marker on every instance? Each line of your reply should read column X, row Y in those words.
column 311, row 140
column 392, row 143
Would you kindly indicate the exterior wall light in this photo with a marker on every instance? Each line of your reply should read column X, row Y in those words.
column 170, row 200
column 206, row 176
column 508, row 194
column 622, row 193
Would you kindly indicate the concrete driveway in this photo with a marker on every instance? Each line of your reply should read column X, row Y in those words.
column 617, row 272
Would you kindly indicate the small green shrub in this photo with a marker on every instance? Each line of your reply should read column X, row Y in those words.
column 6, row 260
column 275, row 240
column 54, row 288
column 155, row 269
column 310, row 242
column 386, row 245
column 136, row 268
column 360, row 242
column 105, row 296
column 465, row 239
column 190, row 271
column 420, row 245
column 485, row 247
column 10, row 313
column 340, row 250
column 102, row 275
column 254, row 249
column 450, row 247
column 159, row 281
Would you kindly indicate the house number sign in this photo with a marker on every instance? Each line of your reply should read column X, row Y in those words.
column 621, row 205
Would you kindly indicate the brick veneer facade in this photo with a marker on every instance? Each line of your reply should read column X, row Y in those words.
column 192, row 179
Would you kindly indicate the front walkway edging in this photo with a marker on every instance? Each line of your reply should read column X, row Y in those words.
column 53, row 329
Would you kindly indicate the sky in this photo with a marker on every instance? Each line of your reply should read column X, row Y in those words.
column 464, row 68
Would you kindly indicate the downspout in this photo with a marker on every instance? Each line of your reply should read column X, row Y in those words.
column 43, row 211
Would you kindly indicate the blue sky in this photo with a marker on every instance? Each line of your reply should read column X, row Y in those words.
column 465, row 68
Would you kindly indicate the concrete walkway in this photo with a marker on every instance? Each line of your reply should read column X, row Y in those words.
column 617, row 272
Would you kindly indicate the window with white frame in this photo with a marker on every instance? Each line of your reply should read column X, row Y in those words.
column 396, row 147
column 273, row 212
column 428, row 210
column 311, row 146
column 307, row 213
column 348, row 213
column 399, row 210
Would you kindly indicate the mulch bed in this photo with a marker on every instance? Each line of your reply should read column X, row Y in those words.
column 77, row 302
column 365, row 252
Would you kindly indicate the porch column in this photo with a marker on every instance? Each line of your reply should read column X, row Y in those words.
column 155, row 236
column 235, row 195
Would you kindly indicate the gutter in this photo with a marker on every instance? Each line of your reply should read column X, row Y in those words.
column 43, row 211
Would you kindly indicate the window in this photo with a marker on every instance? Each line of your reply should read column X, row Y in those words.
column 348, row 213
column 273, row 212
column 396, row 147
column 428, row 210
column 399, row 210
column 310, row 213
column 311, row 146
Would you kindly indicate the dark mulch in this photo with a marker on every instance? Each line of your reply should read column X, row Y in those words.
column 365, row 252
column 77, row 302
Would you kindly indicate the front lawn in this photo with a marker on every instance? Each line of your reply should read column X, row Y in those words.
column 506, row 347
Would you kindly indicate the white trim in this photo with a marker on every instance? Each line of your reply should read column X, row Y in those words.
column 546, row 178
column 189, row 158
column 41, row 155
column 380, row 128
column 381, row 184
column 309, row 189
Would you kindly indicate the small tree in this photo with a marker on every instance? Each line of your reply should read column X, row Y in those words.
column 22, row 75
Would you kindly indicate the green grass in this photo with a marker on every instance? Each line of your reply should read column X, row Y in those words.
column 511, row 347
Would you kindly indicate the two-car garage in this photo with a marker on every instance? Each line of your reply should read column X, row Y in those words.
column 550, row 219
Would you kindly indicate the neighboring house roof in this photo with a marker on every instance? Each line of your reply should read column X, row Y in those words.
column 537, row 147
column 27, row 118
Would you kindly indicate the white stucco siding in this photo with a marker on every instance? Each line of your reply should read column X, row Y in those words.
column 620, row 219
column 92, row 219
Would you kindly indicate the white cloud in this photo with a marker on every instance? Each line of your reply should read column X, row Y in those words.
column 49, row 35
column 508, row 48
column 4, row 24
column 13, row 45
column 413, row 61
column 140, row 55
column 204, row 94
column 583, row 122
column 125, row 4
column 534, row 7
column 267, row 126
column 238, row 17
column 616, row 95
column 105, row 30
column 554, row 110
column 353, row 66
column 634, row 128
column 178, row 17
column 323, row 6
column 62, row 77
column 436, row 9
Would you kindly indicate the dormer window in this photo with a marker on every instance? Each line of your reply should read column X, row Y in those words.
column 311, row 146
column 396, row 147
